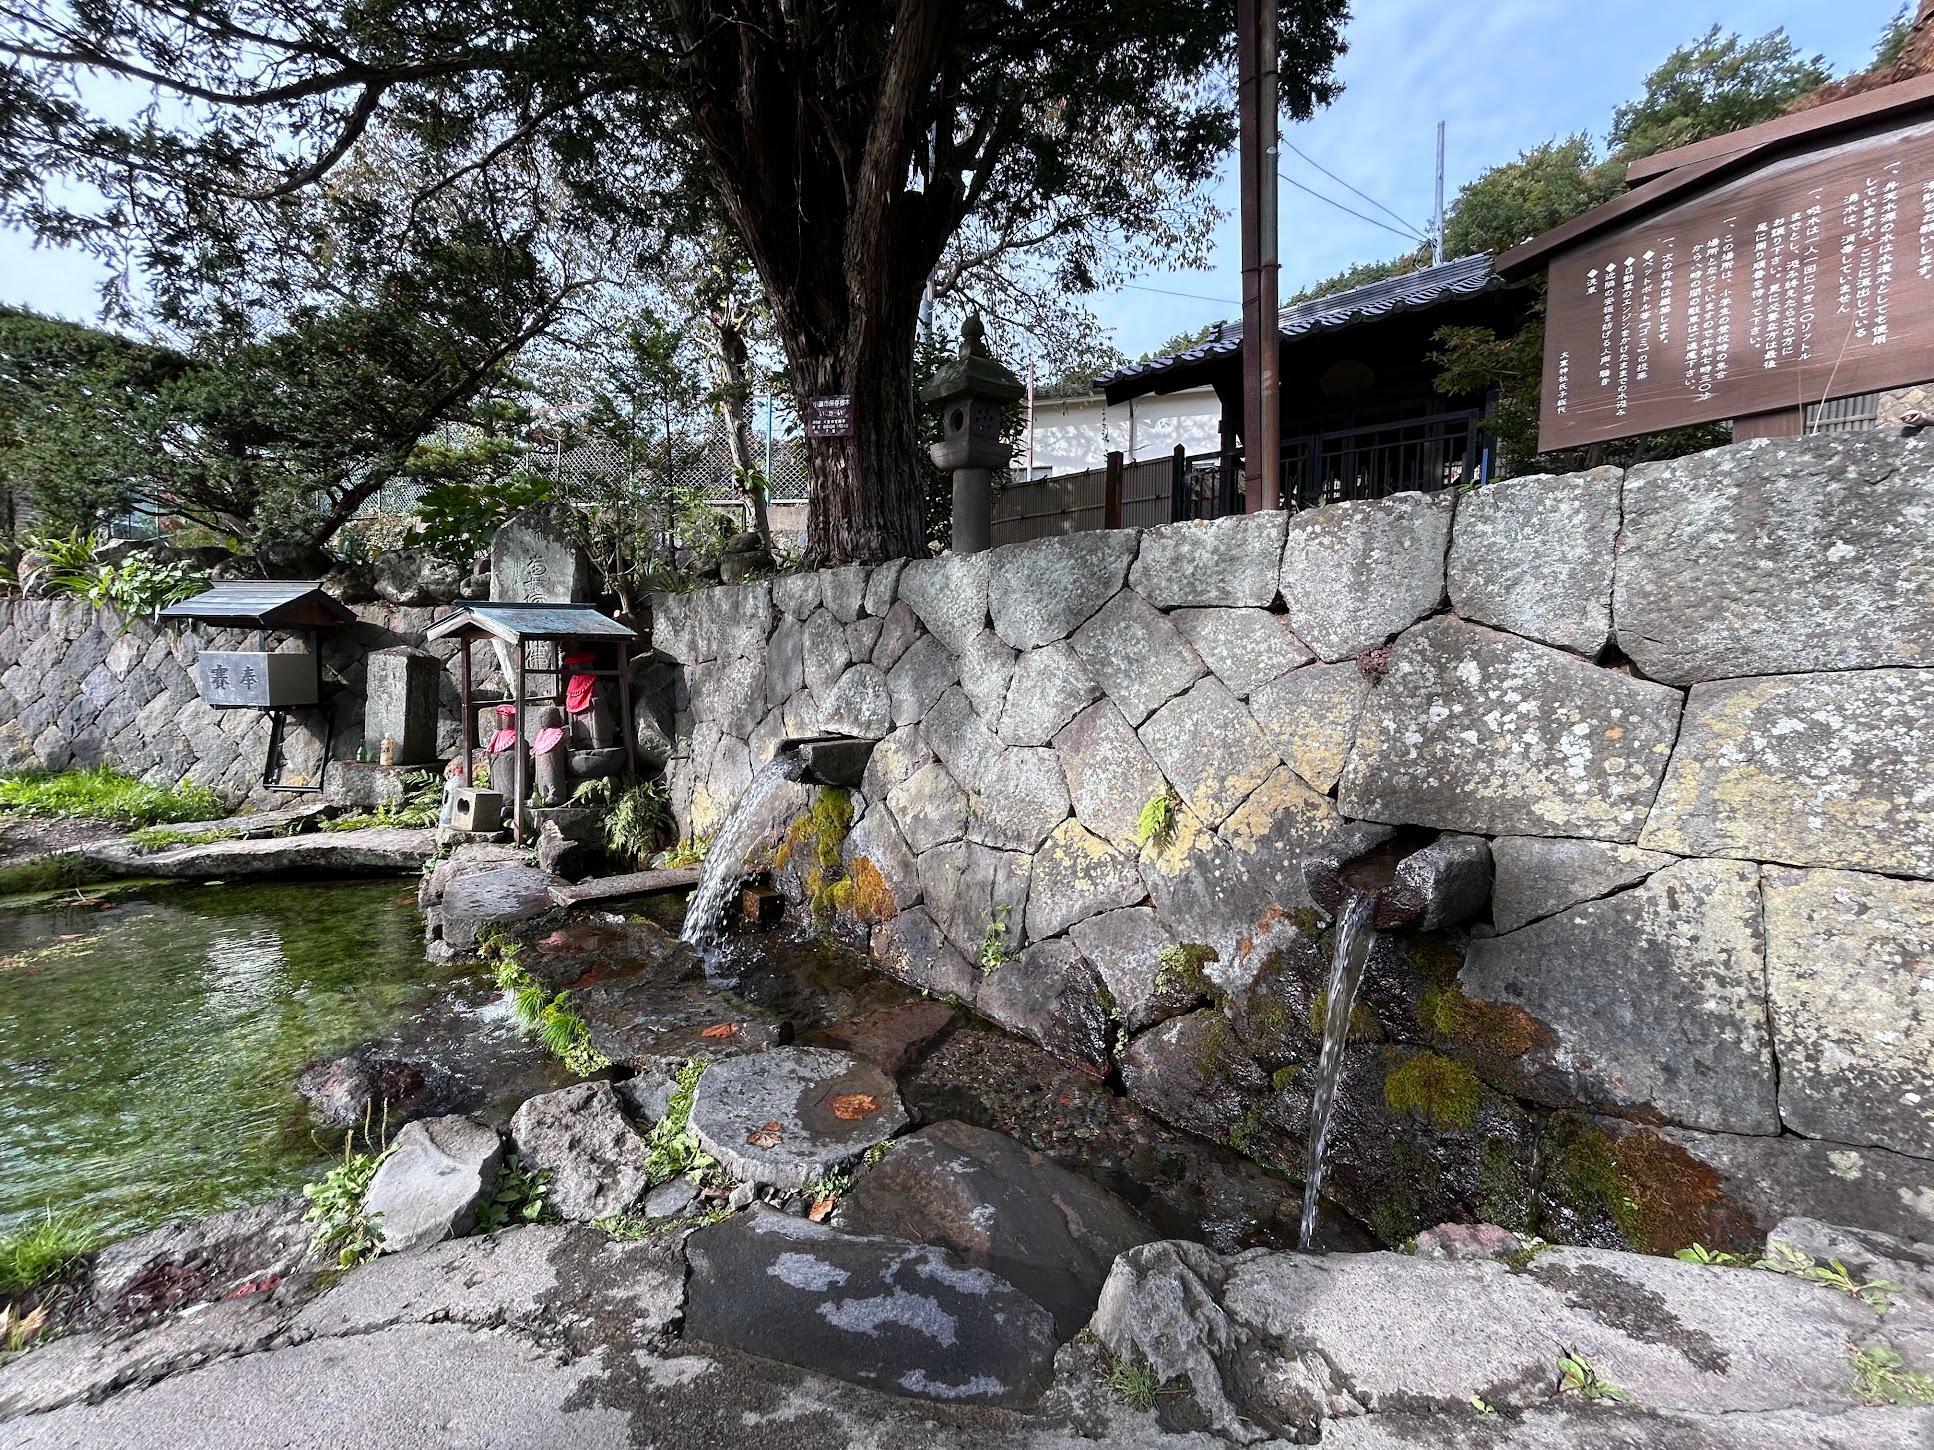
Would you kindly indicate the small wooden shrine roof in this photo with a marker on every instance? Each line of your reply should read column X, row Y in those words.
column 265, row 604
column 513, row 622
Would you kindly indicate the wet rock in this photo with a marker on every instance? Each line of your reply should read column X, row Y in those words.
column 1660, row 1009
column 902, row 1317
column 1445, row 884
column 596, row 1159
column 1232, row 560
column 1209, row 748
column 858, row 705
column 930, row 807
column 644, row 1019
column 1849, row 957
column 1136, row 655
column 199, row 1261
column 976, row 894
column 1326, row 863
column 362, row 1088
column 1194, row 1072
column 911, row 949
column 432, row 1180
column 1018, row 799
column 1043, row 590
column 999, row 1207
column 882, row 876
column 1049, row 687
column 1077, row 875
column 1050, row 995
column 1274, row 1343
column 1108, row 772
column 1523, row 739
column 488, row 897
column 790, row 1115
column 1202, row 890
column 1540, row 875
column 1620, row 1184
column 891, row 1038
column 1244, row 648
column 1808, row 770
column 1779, row 556
column 1533, row 556
column 950, row 596
column 1354, row 574
column 1127, row 948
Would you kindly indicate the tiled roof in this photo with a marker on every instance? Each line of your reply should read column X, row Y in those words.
column 1411, row 292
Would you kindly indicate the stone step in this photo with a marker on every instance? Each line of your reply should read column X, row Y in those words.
column 788, row 1116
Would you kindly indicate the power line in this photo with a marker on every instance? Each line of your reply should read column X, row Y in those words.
column 1407, row 236
column 1344, row 184
column 1165, row 292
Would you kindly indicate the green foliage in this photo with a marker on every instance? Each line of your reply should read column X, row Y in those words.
column 993, row 942
column 1717, row 84
column 1577, row 1376
column 421, row 805
column 546, row 1017
column 687, row 852
column 1893, row 40
column 1884, row 1379
column 166, row 838
column 672, row 1150
column 40, row 1250
column 522, row 1196
column 1783, row 1258
column 457, row 513
column 639, row 821
column 70, row 564
column 600, row 790
column 103, row 793
column 1508, row 204
column 1158, row 821
column 1135, row 1385
column 343, row 1228
column 1361, row 274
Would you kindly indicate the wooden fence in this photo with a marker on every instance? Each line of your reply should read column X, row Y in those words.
column 1116, row 496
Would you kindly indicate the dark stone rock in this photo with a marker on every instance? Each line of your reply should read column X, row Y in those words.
column 648, row 1018
column 489, row 897
column 1195, row 1072
column 906, row 1318
column 892, row 1038
column 596, row 1159
column 912, row 949
column 1052, row 996
column 1127, row 948
column 790, row 1115
column 1445, row 884
column 361, row 1088
column 998, row 1206
column 416, row 577
column 198, row 1261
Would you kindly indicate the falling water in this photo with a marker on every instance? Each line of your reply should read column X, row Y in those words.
column 1353, row 938
column 725, row 861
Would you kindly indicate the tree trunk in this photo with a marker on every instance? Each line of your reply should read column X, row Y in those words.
column 734, row 394
column 867, row 495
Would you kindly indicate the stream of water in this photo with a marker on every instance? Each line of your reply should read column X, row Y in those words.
column 725, row 860
column 1353, row 938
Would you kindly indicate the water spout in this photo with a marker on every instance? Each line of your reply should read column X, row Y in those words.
column 1354, row 933
column 725, row 861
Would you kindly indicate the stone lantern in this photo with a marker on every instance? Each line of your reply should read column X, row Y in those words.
column 972, row 393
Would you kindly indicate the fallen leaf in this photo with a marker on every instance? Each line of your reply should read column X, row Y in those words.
column 766, row 1137
column 849, row 1106
column 721, row 1029
column 820, row 1208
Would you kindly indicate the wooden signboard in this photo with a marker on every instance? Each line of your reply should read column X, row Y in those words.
column 830, row 417
column 1808, row 279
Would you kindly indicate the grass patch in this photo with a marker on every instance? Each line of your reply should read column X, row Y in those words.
column 343, row 1227
column 104, row 794
column 40, row 1251
column 672, row 1150
column 166, row 838
column 1135, row 1385
column 547, row 1017
column 1884, row 1378
column 62, row 871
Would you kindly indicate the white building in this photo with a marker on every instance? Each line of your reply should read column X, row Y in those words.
column 1071, row 434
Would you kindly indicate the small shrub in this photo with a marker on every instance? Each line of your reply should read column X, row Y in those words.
column 641, row 818
column 522, row 1196
column 1783, row 1258
column 548, row 1018
column 40, row 1250
column 1157, row 825
column 993, row 942
column 1135, row 1385
column 672, row 1151
column 137, row 585
column 104, row 794
column 1577, row 1376
column 343, row 1227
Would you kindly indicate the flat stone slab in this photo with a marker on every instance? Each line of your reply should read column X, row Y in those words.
column 1477, row 731
column 645, row 1020
column 898, row 1316
column 375, row 851
column 1826, row 769
column 489, row 897
column 789, row 1115
column 433, row 1179
column 892, row 1038
column 627, row 886
column 1002, row 1207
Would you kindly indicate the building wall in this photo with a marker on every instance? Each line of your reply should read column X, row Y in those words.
column 1687, row 706
column 1072, row 434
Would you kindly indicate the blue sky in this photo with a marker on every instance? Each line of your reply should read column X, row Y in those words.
column 1504, row 74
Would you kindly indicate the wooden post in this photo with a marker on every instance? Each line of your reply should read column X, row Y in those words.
column 1257, row 123
column 469, row 712
column 1178, row 501
column 624, row 710
column 1111, row 498
column 517, row 770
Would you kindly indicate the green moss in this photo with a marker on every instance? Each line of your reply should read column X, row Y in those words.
column 1658, row 1195
column 1242, row 1134
column 59, row 872
column 1503, row 1195
column 1285, row 1077
column 1217, row 1050
column 1497, row 1029
column 1184, row 964
column 1434, row 1088
column 1365, row 1026
column 163, row 838
column 1393, row 1223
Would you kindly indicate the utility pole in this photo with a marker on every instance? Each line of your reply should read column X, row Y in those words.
column 1257, row 148
column 1029, row 477
column 1437, row 222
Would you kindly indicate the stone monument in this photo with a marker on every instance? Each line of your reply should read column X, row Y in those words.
column 972, row 393
column 402, row 689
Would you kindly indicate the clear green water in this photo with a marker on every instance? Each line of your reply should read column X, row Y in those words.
column 149, row 1047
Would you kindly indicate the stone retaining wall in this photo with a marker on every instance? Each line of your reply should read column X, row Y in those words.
column 81, row 686
column 1691, row 706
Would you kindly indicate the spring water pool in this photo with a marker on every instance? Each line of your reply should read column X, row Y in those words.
column 149, row 1041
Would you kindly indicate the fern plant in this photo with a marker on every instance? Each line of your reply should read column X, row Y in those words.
column 1157, row 824
column 640, row 819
